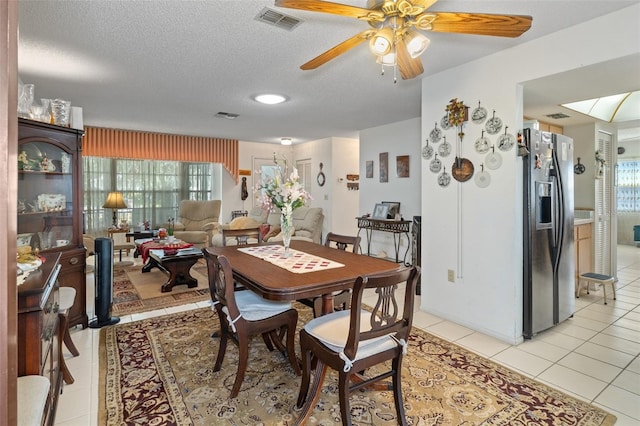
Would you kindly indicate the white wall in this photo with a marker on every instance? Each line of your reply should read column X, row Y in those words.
column 231, row 190
column 318, row 152
column 339, row 157
column 401, row 138
column 344, row 203
column 478, row 232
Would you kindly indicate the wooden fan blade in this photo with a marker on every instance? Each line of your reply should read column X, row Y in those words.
column 328, row 7
column 481, row 24
column 409, row 67
column 338, row 50
column 424, row 3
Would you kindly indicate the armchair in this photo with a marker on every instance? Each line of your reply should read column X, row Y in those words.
column 197, row 221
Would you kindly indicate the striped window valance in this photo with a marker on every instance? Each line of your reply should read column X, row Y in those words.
column 115, row 143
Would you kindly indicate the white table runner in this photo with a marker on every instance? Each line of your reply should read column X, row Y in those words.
column 299, row 262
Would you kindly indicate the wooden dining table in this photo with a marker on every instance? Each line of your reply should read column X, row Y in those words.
column 273, row 282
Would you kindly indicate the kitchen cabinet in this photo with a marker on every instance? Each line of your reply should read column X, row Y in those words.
column 50, row 202
column 38, row 346
column 583, row 248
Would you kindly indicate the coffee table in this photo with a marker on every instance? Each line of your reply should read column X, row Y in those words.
column 177, row 266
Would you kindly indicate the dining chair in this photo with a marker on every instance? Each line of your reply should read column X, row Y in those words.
column 342, row 241
column 354, row 340
column 244, row 314
column 341, row 299
column 242, row 235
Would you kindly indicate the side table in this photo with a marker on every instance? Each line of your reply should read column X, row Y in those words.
column 395, row 227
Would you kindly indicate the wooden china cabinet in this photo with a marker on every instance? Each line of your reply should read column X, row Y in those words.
column 50, row 202
column 38, row 345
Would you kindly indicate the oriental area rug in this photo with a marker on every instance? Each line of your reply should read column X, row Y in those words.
column 159, row 371
column 135, row 292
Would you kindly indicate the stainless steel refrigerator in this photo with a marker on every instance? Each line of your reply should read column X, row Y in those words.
column 549, row 262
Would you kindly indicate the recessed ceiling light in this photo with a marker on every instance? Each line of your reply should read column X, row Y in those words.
column 285, row 141
column 270, row 99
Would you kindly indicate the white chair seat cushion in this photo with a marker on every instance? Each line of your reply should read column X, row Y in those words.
column 33, row 392
column 254, row 307
column 332, row 330
column 67, row 297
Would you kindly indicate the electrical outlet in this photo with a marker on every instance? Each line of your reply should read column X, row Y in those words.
column 451, row 275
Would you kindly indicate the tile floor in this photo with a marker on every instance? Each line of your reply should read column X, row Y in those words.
column 593, row 356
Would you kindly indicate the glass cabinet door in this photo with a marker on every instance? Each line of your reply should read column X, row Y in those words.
column 46, row 197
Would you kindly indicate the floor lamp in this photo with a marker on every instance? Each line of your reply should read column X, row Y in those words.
column 115, row 202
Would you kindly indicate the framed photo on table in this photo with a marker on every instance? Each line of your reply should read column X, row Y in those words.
column 380, row 211
column 393, row 210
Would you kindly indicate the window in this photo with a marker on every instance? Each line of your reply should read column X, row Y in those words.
column 629, row 186
column 152, row 190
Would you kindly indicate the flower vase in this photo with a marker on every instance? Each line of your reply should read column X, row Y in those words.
column 286, row 227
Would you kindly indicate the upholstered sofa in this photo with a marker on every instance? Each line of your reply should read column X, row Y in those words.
column 197, row 221
column 307, row 222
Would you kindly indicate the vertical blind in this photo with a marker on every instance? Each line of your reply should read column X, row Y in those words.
column 115, row 143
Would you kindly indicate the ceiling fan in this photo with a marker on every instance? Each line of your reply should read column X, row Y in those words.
column 396, row 39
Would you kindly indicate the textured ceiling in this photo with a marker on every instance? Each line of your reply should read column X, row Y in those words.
column 170, row 66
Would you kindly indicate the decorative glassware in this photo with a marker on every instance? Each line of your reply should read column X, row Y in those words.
column 286, row 227
column 60, row 110
column 25, row 99
column 46, row 110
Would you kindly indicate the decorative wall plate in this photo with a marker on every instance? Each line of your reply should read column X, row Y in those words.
column 479, row 114
column 445, row 149
column 493, row 160
column 493, row 125
column 436, row 134
column 444, row 122
column 427, row 151
column 482, row 144
column 578, row 168
column 506, row 141
column 444, row 179
column 435, row 165
column 482, row 179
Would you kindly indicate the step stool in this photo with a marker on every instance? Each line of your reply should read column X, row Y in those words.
column 592, row 277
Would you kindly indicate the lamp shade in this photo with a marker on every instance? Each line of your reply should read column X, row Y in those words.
column 115, row 201
column 416, row 43
column 381, row 43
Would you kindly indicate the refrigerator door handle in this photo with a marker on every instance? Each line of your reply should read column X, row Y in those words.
column 558, row 214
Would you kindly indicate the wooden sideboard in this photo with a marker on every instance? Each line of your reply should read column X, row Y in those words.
column 38, row 348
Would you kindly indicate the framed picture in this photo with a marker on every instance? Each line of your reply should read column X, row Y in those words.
column 393, row 209
column 380, row 211
column 369, row 169
column 384, row 167
column 402, row 166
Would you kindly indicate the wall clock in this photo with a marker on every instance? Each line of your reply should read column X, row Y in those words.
column 321, row 178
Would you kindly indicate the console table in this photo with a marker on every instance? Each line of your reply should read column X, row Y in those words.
column 396, row 227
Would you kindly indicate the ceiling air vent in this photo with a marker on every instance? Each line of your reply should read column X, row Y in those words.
column 278, row 19
column 558, row 115
column 227, row 115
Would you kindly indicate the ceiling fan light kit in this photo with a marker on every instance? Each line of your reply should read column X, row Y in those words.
column 395, row 24
column 417, row 43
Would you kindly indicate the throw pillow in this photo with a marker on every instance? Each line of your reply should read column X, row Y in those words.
column 243, row 222
column 273, row 231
